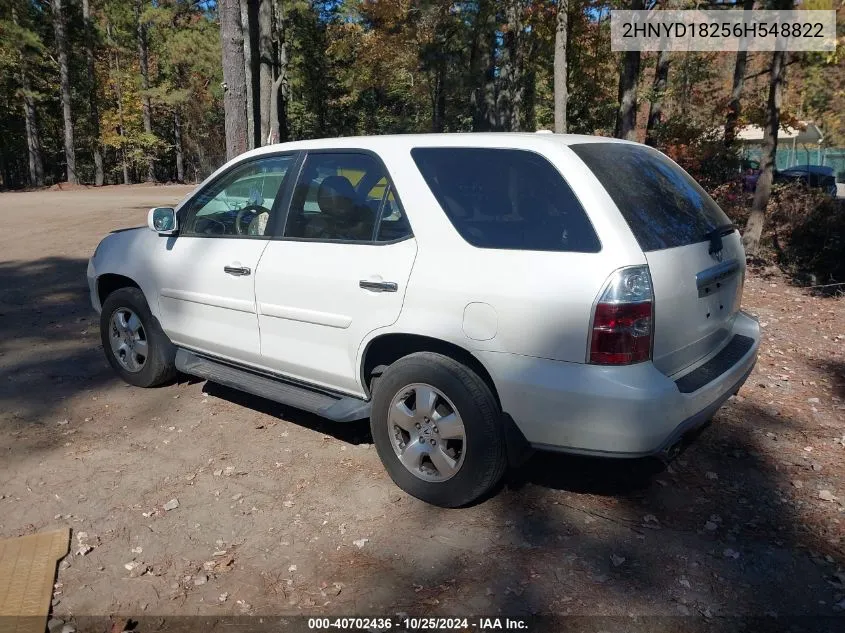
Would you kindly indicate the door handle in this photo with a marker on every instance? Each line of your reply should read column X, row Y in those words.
column 237, row 271
column 379, row 286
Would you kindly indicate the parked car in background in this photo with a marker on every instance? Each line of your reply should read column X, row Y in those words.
column 814, row 176
column 471, row 294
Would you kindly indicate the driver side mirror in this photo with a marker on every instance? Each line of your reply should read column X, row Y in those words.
column 162, row 220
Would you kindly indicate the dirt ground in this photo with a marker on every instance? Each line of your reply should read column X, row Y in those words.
column 282, row 513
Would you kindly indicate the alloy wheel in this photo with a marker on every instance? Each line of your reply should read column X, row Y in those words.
column 427, row 432
column 128, row 340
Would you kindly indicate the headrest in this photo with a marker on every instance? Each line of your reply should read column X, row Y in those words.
column 336, row 197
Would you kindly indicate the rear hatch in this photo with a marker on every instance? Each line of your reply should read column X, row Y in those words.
column 694, row 254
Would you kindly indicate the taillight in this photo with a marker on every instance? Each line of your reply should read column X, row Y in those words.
column 623, row 321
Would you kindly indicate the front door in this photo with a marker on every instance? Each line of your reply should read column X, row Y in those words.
column 339, row 271
column 207, row 278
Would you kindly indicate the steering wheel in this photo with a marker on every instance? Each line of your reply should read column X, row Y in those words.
column 256, row 210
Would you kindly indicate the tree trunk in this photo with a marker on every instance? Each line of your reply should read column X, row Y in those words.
column 438, row 101
column 560, row 71
column 280, row 90
column 658, row 92
column 33, row 138
column 249, row 24
column 93, row 112
column 511, row 72
column 248, row 74
column 281, row 96
column 4, row 175
column 273, row 136
column 483, row 69
column 177, row 142
column 234, row 77
column 754, row 226
column 626, row 116
column 265, row 66
column 118, row 92
column 475, row 71
column 64, row 80
column 735, row 104
column 143, row 63
column 529, row 101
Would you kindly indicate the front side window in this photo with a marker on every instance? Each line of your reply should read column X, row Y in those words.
column 337, row 197
column 506, row 199
column 239, row 203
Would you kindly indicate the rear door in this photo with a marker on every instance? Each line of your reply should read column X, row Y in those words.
column 338, row 271
column 695, row 256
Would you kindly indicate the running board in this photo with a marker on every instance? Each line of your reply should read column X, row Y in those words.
column 338, row 408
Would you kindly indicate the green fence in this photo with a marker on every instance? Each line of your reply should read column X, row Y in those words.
column 788, row 157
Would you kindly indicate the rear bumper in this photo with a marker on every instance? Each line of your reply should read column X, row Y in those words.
column 628, row 411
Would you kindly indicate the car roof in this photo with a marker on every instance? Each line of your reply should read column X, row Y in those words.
column 501, row 140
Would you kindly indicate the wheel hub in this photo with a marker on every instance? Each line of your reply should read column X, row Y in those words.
column 427, row 432
column 128, row 340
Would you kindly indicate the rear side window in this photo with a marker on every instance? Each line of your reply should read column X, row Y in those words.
column 337, row 197
column 662, row 204
column 506, row 199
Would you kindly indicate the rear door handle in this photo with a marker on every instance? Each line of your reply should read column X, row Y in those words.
column 237, row 271
column 379, row 286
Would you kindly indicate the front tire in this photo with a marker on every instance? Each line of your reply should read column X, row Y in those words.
column 437, row 429
column 133, row 342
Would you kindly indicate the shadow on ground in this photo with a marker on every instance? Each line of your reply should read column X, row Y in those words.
column 715, row 541
column 50, row 347
column 836, row 372
column 354, row 433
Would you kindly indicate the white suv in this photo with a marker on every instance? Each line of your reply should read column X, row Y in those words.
column 471, row 294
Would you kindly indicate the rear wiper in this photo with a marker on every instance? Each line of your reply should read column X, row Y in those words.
column 715, row 236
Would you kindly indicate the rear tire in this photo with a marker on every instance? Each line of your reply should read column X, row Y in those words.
column 419, row 444
column 134, row 344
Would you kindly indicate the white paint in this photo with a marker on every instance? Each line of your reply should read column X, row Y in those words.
column 480, row 321
column 525, row 315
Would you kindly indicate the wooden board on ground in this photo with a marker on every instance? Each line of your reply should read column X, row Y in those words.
column 27, row 570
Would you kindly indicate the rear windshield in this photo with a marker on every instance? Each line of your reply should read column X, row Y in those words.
column 663, row 205
column 507, row 199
